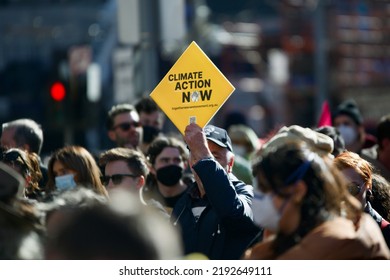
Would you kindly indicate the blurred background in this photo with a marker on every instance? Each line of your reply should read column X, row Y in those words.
column 64, row 63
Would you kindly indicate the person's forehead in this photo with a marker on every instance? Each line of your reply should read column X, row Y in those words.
column 343, row 119
column 215, row 147
column 169, row 152
column 150, row 116
column 126, row 117
column 117, row 166
column 59, row 166
column 153, row 118
column 351, row 175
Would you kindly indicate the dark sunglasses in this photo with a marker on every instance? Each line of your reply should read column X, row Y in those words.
column 12, row 157
column 354, row 188
column 127, row 126
column 116, row 178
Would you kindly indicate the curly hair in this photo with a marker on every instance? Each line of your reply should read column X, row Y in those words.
column 29, row 168
column 380, row 197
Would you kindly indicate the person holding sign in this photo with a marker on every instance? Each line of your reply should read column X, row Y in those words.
column 215, row 215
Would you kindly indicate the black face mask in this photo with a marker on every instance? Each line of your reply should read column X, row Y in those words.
column 150, row 133
column 169, row 175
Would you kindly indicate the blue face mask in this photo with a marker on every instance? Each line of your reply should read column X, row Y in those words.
column 65, row 182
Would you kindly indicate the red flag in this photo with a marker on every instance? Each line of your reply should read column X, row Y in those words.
column 325, row 118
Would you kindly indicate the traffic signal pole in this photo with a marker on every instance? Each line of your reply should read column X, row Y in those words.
column 69, row 122
column 137, row 43
column 320, row 62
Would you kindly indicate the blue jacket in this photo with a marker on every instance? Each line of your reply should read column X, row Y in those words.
column 225, row 228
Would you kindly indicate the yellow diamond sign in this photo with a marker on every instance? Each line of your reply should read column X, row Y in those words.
column 193, row 90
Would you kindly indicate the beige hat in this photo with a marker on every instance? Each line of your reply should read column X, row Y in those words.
column 240, row 133
column 319, row 143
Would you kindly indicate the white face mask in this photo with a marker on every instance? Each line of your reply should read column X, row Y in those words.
column 267, row 215
column 348, row 133
column 65, row 182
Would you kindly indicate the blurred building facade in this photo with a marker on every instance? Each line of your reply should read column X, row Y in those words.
column 54, row 41
column 284, row 58
column 332, row 50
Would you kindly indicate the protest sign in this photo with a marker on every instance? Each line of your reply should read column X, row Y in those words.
column 193, row 90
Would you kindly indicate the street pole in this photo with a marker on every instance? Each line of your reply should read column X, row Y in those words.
column 148, row 78
column 320, row 61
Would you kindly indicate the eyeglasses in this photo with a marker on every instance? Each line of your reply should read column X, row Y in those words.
column 12, row 157
column 354, row 188
column 116, row 178
column 127, row 126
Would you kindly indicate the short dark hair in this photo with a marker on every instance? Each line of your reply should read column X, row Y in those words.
column 135, row 160
column 160, row 143
column 116, row 229
column 334, row 133
column 147, row 105
column 383, row 129
column 27, row 131
column 116, row 110
column 380, row 197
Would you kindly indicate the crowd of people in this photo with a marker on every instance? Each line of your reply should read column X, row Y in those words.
column 215, row 192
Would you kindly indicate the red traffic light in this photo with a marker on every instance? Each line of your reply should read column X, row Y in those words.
column 57, row 91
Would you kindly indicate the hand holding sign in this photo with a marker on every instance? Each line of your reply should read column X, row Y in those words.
column 193, row 90
column 196, row 142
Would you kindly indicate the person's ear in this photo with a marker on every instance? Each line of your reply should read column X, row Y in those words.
column 26, row 147
column 185, row 164
column 111, row 135
column 28, row 179
column 361, row 131
column 300, row 190
column 141, row 182
column 230, row 164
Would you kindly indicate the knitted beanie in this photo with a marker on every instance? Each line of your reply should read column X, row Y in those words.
column 349, row 108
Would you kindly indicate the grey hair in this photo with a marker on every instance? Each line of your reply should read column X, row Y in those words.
column 27, row 131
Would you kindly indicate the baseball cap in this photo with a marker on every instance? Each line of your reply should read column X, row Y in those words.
column 219, row 136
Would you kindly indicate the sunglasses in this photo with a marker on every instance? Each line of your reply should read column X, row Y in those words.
column 354, row 188
column 12, row 158
column 127, row 126
column 116, row 178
